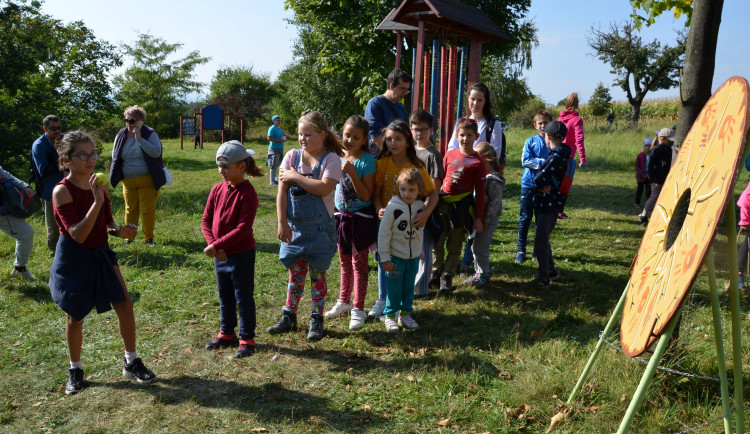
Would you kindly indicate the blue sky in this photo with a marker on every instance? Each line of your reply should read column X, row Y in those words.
column 254, row 32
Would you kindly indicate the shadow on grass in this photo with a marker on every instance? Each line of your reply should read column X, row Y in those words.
column 267, row 403
column 176, row 252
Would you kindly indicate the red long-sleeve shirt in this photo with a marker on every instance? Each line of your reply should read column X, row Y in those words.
column 464, row 173
column 229, row 215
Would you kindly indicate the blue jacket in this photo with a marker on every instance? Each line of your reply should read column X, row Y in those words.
column 44, row 157
column 535, row 151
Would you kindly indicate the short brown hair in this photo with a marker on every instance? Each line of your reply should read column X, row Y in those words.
column 543, row 113
column 50, row 118
column 68, row 144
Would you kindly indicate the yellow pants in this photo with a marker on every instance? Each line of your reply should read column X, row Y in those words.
column 140, row 200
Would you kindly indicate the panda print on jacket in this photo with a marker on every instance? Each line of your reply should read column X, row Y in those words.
column 397, row 236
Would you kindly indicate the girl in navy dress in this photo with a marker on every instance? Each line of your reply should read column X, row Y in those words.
column 84, row 272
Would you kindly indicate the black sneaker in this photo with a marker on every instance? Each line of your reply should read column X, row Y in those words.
column 316, row 327
column 223, row 341
column 150, row 242
column 287, row 323
column 247, row 348
column 553, row 274
column 75, row 382
column 136, row 370
column 446, row 284
column 434, row 281
column 543, row 283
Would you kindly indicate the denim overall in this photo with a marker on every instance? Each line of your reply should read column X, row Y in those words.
column 313, row 229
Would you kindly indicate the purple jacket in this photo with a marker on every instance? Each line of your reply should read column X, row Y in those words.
column 640, row 168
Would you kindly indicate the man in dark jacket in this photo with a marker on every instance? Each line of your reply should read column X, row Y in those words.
column 44, row 159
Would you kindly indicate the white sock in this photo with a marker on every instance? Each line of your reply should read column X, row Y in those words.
column 76, row 365
column 129, row 357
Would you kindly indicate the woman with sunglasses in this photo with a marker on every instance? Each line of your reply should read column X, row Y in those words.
column 136, row 161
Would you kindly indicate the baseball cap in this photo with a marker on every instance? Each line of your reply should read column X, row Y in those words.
column 648, row 141
column 275, row 117
column 666, row 132
column 556, row 129
column 233, row 151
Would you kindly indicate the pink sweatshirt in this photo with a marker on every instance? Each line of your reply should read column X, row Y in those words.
column 744, row 204
column 574, row 139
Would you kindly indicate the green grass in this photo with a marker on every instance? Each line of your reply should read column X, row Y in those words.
column 476, row 358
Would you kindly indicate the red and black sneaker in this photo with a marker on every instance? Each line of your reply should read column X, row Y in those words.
column 223, row 340
column 247, row 348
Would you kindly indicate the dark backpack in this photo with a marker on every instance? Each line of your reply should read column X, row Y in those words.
column 15, row 201
column 490, row 128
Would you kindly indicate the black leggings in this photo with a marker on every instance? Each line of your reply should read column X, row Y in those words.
column 639, row 191
column 742, row 255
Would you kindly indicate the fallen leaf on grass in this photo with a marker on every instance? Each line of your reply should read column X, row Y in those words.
column 36, row 404
column 473, row 387
column 535, row 333
column 443, row 421
column 624, row 397
column 191, row 322
column 367, row 407
column 258, row 430
column 593, row 408
column 557, row 420
column 505, row 375
column 519, row 413
column 411, row 378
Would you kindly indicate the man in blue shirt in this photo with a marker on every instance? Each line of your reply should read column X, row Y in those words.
column 276, row 139
column 44, row 158
column 385, row 108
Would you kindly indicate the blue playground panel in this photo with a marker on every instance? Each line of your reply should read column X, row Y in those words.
column 213, row 117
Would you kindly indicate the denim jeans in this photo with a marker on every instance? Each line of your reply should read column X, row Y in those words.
column 524, row 219
column 235, row 279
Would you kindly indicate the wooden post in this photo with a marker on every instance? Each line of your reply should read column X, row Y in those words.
column 443, row 97
column 426, row 86
column 418, row 66
column 399, row 48
column 475, row 59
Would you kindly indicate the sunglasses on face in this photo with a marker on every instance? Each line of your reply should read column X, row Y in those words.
column 467, row 119
column 130, row 121
column 54, row 128
column 82, row 156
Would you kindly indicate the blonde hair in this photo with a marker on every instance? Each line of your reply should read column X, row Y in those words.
column 136, row 109
column 489, row 153
column 316, row 121
column 411, row 176
column 571, row 102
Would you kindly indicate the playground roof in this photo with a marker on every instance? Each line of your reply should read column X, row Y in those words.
column 443, row 19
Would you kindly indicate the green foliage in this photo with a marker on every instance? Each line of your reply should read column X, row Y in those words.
column 157, row 83
column 240, row 91
column 508, row 89
column 48, row 67
column 654, row 8
column 523, row 117
column 647, row 66
column 342, row 61
column 600, row 101
column 663, row 109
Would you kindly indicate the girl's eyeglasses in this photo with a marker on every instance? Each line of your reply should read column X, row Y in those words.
column 82, row 156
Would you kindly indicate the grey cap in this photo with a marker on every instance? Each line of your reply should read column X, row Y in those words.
column 666, row 132
column 233, row 151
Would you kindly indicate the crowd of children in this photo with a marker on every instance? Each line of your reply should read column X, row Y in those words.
column 412, row 206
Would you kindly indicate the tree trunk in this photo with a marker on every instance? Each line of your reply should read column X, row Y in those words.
column 635, row 112
column 700, row 60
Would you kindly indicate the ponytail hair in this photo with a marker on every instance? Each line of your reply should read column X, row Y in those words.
column 486, row 151
column 316, row 121
column 251, row 168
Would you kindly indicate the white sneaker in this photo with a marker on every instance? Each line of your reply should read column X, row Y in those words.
column 377, row 308
column 391, row 325
column 338, row 309
column 407, row 322
column 25, row 274
column 358, row 319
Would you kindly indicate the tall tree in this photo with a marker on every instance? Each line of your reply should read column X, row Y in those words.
column 704, row 18
column 241, row 91
column 156, row 83
column 47, row 66
column 337, row 39
column 647, row 66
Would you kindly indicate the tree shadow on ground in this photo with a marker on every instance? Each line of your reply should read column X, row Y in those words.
column 267, row 403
